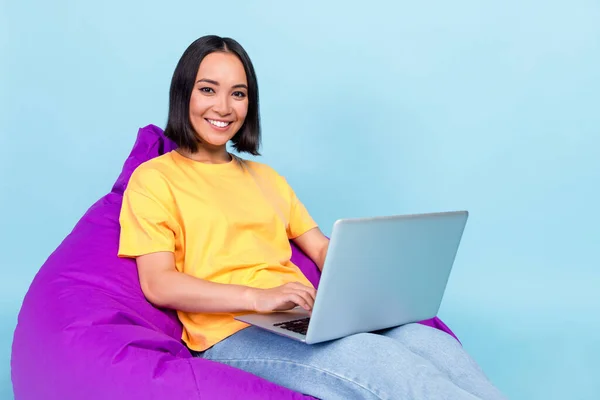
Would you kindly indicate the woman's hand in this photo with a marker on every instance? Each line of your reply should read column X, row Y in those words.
column 281, row 298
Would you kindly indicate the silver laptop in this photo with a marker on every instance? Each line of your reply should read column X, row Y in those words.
column 379, row 273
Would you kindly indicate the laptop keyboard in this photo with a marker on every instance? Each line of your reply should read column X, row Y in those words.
column 298, row 325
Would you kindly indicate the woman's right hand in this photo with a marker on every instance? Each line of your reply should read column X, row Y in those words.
column 284, row 297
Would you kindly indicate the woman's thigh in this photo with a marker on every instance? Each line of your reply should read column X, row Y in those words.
column 448, row 356
column 362, row 366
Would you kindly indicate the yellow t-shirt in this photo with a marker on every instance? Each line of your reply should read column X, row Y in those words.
column 226, row 223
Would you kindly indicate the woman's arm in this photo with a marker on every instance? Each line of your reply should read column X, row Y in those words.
column 164, row 286
column 314, row 244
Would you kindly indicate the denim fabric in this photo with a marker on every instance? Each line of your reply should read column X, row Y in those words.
column 408, row 362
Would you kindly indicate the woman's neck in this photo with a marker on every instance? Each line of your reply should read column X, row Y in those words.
column 203, row 155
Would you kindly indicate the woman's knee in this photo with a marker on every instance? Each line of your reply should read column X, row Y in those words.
column 419, row 335
column 367, row 345
column 380, row 353
column 438, row 347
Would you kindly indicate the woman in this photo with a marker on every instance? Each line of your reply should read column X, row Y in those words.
column 210, row 234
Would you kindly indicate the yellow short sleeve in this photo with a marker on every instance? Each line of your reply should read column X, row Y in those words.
column 147, row 226
column 300, row 221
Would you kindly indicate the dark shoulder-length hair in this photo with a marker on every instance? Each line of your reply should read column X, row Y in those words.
column 179, row 128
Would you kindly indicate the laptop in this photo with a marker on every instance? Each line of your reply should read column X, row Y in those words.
column 379, row 273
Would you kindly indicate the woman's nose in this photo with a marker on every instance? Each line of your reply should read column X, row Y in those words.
column 222, row 105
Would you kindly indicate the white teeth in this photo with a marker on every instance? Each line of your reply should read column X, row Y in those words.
column 219, row 124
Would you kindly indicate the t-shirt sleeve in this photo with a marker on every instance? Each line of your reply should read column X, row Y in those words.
column 147, row 226
column 300, row 221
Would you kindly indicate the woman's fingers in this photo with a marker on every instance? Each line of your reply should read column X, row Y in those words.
column 311, row 291
column 289, row 295
column 299, row 299
column 307, row 300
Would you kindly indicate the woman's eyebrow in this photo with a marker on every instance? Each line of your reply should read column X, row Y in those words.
column 212, row 82
column 208, row 81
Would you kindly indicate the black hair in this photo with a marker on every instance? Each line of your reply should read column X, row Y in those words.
column 179, row 128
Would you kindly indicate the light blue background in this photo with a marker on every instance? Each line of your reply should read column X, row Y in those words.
column 369, row 108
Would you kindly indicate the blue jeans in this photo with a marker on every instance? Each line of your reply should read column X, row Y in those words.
column 408, row 362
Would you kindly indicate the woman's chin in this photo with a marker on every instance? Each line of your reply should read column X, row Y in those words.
column 215, row 143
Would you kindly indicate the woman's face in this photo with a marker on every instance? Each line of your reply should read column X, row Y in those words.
column 219, row 101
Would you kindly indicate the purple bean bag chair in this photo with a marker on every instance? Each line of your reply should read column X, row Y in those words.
column 85, row 330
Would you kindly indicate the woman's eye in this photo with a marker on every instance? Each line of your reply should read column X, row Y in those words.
column 239, row 94
column 207, row 90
